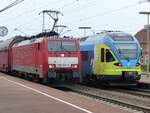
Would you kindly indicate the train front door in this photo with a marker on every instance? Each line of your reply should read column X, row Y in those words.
column 99, row 60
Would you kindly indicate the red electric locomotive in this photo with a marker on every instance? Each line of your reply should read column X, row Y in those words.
column 47, row 58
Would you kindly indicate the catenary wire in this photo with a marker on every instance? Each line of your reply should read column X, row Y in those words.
column 11, row 5
column 104, row 13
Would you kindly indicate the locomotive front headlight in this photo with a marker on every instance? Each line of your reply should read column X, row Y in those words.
column 118, row 64
column 74, row 65
column 51, row 66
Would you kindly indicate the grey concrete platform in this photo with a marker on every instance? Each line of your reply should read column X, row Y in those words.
column 21, row 96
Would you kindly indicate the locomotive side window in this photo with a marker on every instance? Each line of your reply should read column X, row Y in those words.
column 109, row 56
column 102, row 55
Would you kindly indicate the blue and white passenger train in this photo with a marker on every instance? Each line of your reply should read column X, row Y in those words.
column 111, row 57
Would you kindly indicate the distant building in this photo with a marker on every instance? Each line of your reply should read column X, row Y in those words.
column 142, row 38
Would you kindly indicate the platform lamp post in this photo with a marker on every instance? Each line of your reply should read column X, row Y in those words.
column 84, row 28
column 148, row 37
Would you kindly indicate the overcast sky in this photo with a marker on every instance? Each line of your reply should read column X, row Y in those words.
column 120, row 15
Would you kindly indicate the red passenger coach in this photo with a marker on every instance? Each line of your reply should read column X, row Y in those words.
column 47, row 58
column 5, row 52
column 3, row 60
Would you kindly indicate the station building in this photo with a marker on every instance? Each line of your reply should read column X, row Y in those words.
column 142, row 38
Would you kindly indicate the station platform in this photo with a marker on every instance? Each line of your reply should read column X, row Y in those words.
column 21, row 96
column 145, row 79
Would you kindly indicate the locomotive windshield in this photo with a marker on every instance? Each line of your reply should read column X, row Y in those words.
column 61, row 46
column 127, row 51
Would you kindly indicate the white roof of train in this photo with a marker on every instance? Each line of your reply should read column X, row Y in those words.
column 27, row 42
column 4, row 45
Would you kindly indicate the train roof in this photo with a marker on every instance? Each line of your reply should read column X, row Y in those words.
column 106, row 37
column 114, row 36
column 88, row 47
column 121, row 36
column 27, row 42
column 4, row 45
column 39, row 40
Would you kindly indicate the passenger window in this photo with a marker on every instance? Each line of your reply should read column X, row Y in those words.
column 109, row 56
column 102, row 55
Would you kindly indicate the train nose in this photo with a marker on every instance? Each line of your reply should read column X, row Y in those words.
column 129, row 62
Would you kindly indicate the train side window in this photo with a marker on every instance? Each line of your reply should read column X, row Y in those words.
column 84, row 55
column 102, row 54
column 109, row 56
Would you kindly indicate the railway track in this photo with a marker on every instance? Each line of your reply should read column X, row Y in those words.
column 135, row 92
column 143, row 86
column 124, row 98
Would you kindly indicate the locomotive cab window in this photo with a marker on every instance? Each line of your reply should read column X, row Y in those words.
column 61, row 46
column 68, row 46
column 54, row 45
column 109, row 56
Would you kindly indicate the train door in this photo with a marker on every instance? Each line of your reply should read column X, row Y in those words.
column 99, row 60
column 109, row 63
column 84, row 66
column 103, row 60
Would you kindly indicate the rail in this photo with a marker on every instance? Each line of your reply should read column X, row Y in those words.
column 108, row 96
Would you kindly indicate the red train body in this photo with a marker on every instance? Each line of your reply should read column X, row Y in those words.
column 4, row 61
column 43, row 58
column 5, row 53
